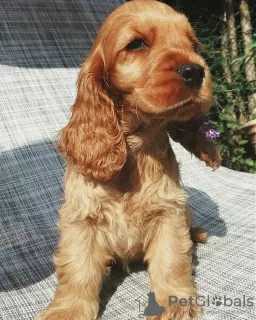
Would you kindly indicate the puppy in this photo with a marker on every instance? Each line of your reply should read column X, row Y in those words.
column 123, row 198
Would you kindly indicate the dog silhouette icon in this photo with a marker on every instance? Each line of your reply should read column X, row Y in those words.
column 153, row 308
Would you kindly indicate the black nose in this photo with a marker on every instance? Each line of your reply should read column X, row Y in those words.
column 191, row 74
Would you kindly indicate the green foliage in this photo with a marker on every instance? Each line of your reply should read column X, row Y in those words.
column 231, row 107
column 234, row 145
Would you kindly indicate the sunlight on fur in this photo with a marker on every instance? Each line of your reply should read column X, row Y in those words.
column 143, row 81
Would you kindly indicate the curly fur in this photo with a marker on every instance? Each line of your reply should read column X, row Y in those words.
column 123, row 198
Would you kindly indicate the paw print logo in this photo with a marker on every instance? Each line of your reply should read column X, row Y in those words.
column 216, row 301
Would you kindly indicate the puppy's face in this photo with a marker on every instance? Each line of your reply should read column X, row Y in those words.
column 150, row 55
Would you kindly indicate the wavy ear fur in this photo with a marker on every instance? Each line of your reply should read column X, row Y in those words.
column 93, row 139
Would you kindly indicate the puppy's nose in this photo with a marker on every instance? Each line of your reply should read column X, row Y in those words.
column 191, row 74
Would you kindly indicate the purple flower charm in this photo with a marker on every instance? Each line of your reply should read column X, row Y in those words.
column 211, row 134
column 206, row 127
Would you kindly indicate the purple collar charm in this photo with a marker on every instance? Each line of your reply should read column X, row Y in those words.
column 206, row 127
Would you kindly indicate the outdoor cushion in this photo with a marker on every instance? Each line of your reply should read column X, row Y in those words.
column 42, row 45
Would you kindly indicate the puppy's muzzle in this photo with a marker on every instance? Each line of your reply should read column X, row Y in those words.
column 192, row 75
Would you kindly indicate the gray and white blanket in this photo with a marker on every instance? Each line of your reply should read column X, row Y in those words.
column 42, row 44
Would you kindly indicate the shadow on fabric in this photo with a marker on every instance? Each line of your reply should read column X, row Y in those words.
column 49, row 34
column 30, row 194
column 206, row 213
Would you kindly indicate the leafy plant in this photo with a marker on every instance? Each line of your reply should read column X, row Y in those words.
column 234, row 146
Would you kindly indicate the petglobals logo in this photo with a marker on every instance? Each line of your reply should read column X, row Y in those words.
column 206, row 301
column 148, row 306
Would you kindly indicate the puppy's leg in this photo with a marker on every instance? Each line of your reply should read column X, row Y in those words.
column 168, row 253
column 189, row 136
column 198, row 234
column 81, row 263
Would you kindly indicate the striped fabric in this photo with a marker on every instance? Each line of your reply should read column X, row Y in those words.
column 42, row 44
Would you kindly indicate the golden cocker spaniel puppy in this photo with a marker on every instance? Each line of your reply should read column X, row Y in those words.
column 143, row 78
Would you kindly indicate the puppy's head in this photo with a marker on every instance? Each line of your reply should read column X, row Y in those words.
column 152, row 55
column 144, row 58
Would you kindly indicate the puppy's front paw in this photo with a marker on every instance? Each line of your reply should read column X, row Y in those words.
column 52, row 315
column 63, row 315
column 212, row 161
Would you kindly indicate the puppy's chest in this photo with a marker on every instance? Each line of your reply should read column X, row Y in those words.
column 145, row 179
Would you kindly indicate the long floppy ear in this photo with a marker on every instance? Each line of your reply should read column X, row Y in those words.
column 93, row 139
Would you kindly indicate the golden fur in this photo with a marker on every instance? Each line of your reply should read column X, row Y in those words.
column 123, row 198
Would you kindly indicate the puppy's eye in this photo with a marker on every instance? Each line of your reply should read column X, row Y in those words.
column 136, row 44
